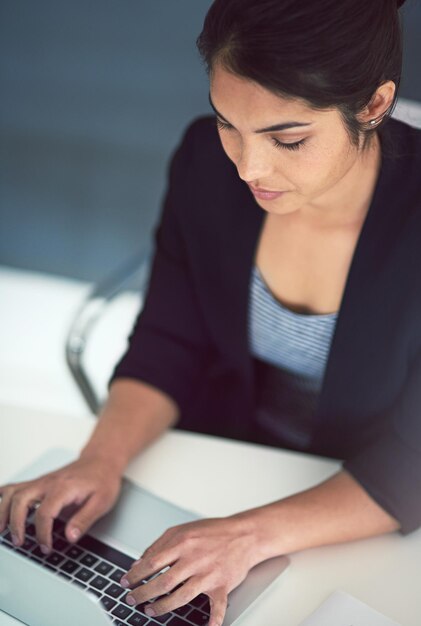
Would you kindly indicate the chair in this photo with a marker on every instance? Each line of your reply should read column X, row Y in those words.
column 132, row 273
column 101, row 296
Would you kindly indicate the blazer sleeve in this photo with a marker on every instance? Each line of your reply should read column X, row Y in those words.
column 168, row 346
column 390, row 468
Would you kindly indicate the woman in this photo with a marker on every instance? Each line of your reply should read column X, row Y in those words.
column 283, row 304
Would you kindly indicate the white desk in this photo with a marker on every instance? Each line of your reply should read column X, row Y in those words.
column 218, row 477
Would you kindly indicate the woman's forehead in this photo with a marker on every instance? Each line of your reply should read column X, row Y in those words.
column 233, row 92
column 234, row 96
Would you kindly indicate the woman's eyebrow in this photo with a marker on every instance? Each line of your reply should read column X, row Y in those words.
column 268, row 129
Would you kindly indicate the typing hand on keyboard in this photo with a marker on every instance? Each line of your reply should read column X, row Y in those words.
column 92, row 485
column 211, row 556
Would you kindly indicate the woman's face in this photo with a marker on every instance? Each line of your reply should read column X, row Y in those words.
column 309, row 162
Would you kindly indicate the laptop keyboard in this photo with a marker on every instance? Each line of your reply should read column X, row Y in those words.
column 98, row 568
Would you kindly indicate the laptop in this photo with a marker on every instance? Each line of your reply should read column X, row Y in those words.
column 78, row 584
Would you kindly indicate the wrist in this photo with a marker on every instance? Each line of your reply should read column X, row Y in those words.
column 111, row 461
column 263, row 526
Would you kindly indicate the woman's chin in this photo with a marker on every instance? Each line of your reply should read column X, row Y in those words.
column 277, row 207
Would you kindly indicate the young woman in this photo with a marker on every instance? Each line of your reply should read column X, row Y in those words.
column 284, row 302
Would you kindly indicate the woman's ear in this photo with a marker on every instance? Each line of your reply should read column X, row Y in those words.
column 379, row 104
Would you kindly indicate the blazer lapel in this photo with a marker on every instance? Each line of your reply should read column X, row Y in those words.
column 352, row 386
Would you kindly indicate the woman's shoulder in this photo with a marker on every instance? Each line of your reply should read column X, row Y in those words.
column 202, row 128
column 401, row 141
column 201, row 146
column 400, row 186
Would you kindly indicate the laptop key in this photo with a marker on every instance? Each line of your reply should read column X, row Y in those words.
column 38, row 553
column 28, row 544
column 84, row 574
column 183, row 610
column 115, row 591
column 69, row 566
column 108, row 603
column 54, row 558
column 139, row 620
column 200, row 601
column 88, row 560
column 59, row 527
column 197, row 617
column 103, row 568
column 121, row 611
column 162, row 619
column 59, row 544
column 30, row 530
column 74, row 552
column 64, row 575
column 116, row 575
column 99, row 582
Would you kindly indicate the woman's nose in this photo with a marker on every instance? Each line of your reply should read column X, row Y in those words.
column 252, row 165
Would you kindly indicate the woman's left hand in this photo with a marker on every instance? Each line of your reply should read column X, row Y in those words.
column 210, row 556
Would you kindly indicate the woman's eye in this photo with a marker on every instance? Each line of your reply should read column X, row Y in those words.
column 278, row 144
column 288, row 146
column 222, row 125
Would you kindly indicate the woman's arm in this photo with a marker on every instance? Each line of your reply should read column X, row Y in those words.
column 134, row 415
column 335, row 511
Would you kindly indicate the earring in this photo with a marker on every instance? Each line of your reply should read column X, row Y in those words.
column 373, row 122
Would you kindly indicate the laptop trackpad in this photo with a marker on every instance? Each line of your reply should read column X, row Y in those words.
column 138, row 519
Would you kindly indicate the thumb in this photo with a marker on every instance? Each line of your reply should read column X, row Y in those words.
column 83, row 519
column 218, row 604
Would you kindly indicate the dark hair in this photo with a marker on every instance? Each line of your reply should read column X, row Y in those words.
column 329, row 53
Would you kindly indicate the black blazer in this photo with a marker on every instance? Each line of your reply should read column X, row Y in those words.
column 191, row 342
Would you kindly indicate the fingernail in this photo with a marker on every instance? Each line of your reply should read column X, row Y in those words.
column 150, row 612
column 124, row 582
column 130, row 600
column 15, row 540
column 74, row 533
column 45, row 549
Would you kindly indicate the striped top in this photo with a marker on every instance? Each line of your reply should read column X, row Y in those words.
column 296, row 342
column 290, row 352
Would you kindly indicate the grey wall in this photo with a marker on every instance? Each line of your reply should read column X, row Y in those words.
column 94, row 97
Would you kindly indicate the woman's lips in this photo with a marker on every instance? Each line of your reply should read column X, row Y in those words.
column 265, row 194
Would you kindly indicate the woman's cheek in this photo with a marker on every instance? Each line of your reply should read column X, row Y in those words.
column 231, row 147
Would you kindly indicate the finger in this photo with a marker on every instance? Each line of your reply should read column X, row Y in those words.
column 49, row 509
column 218, row 600
column 92, row 509
column 175, row 600
column 21, row 501
column 150, row 564
column 158, row 586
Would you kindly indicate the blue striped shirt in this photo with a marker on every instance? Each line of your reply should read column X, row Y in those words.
column 290, row 351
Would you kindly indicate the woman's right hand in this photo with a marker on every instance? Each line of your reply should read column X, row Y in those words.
column 89, row 483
